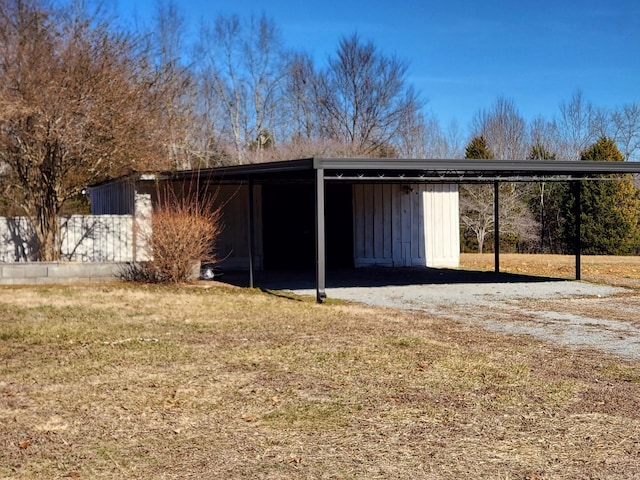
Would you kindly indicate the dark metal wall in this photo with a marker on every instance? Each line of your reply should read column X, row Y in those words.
column 288, row 220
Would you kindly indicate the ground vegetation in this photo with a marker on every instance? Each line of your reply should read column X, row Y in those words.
column 113, row 381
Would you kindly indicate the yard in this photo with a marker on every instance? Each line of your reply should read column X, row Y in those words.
column 213, row 381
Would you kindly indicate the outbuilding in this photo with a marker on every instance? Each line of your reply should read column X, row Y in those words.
column 321, row 213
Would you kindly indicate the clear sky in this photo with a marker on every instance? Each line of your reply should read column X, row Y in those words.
column 464, row 53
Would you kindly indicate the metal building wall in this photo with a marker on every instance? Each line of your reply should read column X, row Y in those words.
column 406, row 225
column 233, row 244
column 113, row 198
column 442, row 225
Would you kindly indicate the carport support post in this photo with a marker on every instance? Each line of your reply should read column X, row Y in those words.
column 496, row 223
column 576, row 184
column 251, row 231
column 320, row 238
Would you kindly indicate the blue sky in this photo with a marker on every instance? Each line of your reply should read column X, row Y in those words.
column 462, row 53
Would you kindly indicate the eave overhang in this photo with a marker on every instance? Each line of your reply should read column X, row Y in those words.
column 392, row 170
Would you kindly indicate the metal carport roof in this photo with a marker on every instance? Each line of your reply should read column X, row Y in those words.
column 394, row 170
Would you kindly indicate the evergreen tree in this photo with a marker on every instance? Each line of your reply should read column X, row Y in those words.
column 539, row 152
column 546, row 199
column 610, row 209
column 478, row 149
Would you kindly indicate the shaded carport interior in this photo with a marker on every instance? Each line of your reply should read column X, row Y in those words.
column 288, row 226
column 316, row 177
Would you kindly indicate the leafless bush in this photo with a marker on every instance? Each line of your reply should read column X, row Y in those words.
column 184, row 229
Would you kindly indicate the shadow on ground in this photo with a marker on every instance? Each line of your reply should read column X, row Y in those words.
column 374, row 277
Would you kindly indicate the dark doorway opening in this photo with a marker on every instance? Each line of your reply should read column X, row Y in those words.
column 288, row 223
column 288, row 220
column 339, row 225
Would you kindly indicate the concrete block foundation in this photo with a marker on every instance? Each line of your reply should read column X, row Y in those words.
column 58, row 272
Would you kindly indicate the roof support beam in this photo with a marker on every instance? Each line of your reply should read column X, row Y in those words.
column 251, row 231
column 496, row 224
column 577, row 187
column 320, row 237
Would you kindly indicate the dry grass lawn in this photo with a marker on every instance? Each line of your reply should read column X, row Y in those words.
column 622, row 271
column 206, row 381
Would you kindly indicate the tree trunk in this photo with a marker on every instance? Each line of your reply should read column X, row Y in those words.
column 480, row 237
column 47, row 229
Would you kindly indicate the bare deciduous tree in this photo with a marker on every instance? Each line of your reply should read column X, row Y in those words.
column 421, row 136
column 516, row 220
column 476, row 211
column 74, row 109
column 300, row 102
column 363, row 98
column 244, row 66
column 477, row 205
column 626, row 130
column 178, row 86
column 543, row 137
column 503, row 128
column 579, row 125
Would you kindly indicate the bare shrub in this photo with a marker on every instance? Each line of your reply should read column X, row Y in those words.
column 184, row 230
column 138, row 272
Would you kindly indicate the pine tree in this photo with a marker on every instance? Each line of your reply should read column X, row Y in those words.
column 610, row 209
column 478, row 149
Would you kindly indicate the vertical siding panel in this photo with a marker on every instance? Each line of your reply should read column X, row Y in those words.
column 387, row 222
column 415, row 223
column 443, row 241
column 117, row 235
column 446, row 235
column 241, row 235
column 368, row 222
column 405, row 221
column 396, row 224
column 358, row 227
column 432, row 212
column 131, row 230
column 75, row 242
column 100, row 240
column 454, row 217
column 443, row 238
column 233, row 239
column 378, row 225
column 110, row 229
column 422, row 219
column 240, row 212
column 6, row 245
column 228, row 211
column 257, row 220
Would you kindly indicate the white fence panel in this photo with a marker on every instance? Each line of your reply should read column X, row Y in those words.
column 17, row 239
column 84, row 238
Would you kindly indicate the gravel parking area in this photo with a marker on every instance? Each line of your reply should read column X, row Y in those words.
column 569, row 313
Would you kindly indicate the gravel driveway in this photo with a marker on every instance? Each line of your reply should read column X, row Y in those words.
column 569, row 313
